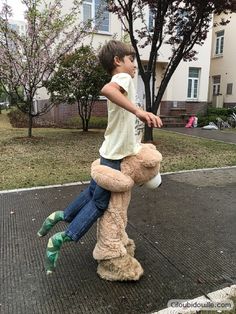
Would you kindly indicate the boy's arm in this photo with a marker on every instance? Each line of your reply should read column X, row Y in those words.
column 115, row 94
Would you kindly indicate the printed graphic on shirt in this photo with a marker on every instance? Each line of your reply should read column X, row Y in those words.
column 139, row 125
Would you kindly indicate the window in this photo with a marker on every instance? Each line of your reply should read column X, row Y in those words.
column 15, row 27
column 193, row 83
column 229, row 90
column 182, row 22
column 219, row 43
column 216, row 85
column 87, row 10
column 151, row 20
column 96, row 11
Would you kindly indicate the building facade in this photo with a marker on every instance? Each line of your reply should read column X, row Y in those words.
column 222, row 81
column 187, row 91
column 18, row 26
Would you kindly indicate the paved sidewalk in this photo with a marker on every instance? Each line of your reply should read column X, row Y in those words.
column 218, row 135
column 185, row 234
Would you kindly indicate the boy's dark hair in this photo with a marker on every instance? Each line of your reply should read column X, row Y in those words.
column 112, row 49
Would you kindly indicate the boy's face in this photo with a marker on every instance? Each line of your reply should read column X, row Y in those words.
column 127, row 65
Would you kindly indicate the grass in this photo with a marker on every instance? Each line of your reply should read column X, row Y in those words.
column 55, row 156
column 181, row 152
column 231, row 130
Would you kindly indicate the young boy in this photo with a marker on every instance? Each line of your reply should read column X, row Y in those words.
column 122, row 138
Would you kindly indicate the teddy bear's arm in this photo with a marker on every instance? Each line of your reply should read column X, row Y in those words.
column 111, row 179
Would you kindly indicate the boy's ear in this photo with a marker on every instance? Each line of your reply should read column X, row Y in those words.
column 117, row 61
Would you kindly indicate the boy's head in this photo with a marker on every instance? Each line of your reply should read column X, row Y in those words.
column 112, row 51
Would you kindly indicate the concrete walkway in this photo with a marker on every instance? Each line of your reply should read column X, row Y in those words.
column 218, row 135
column 185, row 233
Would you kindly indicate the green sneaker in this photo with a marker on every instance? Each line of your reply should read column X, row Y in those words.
column 53, row 249
column 50, row 221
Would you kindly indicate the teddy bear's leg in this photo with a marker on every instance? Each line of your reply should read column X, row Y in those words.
column 53, row 249
column 124, row 268
column 128, row 243
column 109, row 244
column 110, row 229
column 130, row 247
column 111, row 249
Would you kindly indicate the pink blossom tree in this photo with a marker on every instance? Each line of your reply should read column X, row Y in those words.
column 28, row 60
column 78, row 79
column 181, row 24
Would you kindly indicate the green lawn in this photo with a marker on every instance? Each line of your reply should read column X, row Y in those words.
column 231, row 130
column 56, row 156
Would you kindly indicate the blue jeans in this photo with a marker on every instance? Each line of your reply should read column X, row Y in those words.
column 88, row 206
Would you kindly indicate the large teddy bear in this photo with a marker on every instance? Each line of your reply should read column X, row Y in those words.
column 114, row 250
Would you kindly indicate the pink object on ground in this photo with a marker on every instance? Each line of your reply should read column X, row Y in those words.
column 190, row 122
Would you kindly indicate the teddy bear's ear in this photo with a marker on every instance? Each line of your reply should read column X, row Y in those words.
column 149, row 145
column 150, row 158
column 110, row 179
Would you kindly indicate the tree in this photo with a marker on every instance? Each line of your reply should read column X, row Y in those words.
column 30, row 59
column 79, row 79
column 182, row 24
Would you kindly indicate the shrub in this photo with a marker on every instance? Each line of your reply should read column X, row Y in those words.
column 213, row 114
column 202, row 120
column 18, row 119
column 98, row 122
column 94, row 122
column 217, row 111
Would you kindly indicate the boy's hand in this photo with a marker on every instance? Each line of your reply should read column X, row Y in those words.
column 151, row 119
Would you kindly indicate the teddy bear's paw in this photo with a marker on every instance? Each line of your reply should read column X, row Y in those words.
column 125, row 268
column 130, row 247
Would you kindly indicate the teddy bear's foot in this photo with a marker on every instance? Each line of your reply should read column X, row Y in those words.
column 124, row 268
column 130, row 247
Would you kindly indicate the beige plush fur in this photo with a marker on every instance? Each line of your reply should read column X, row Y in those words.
column 114, row 250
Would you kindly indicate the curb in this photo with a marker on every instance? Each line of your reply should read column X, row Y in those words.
column 87, row 182
column 222, row 296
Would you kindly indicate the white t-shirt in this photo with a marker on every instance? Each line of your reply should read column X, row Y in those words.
column 121, row 137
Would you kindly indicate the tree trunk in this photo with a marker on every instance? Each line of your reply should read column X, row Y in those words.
column 148, row 132
column 83, row 123
column 86, row 125
column 30, row 125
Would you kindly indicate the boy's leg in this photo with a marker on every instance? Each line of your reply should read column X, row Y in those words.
column 81, row 223
column 77, row 228
column 53, row 248
column 92, row 210
column 84, row 197
column 70, row 212
column 50, row 221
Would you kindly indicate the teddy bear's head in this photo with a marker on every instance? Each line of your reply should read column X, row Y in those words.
column 142, row 168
